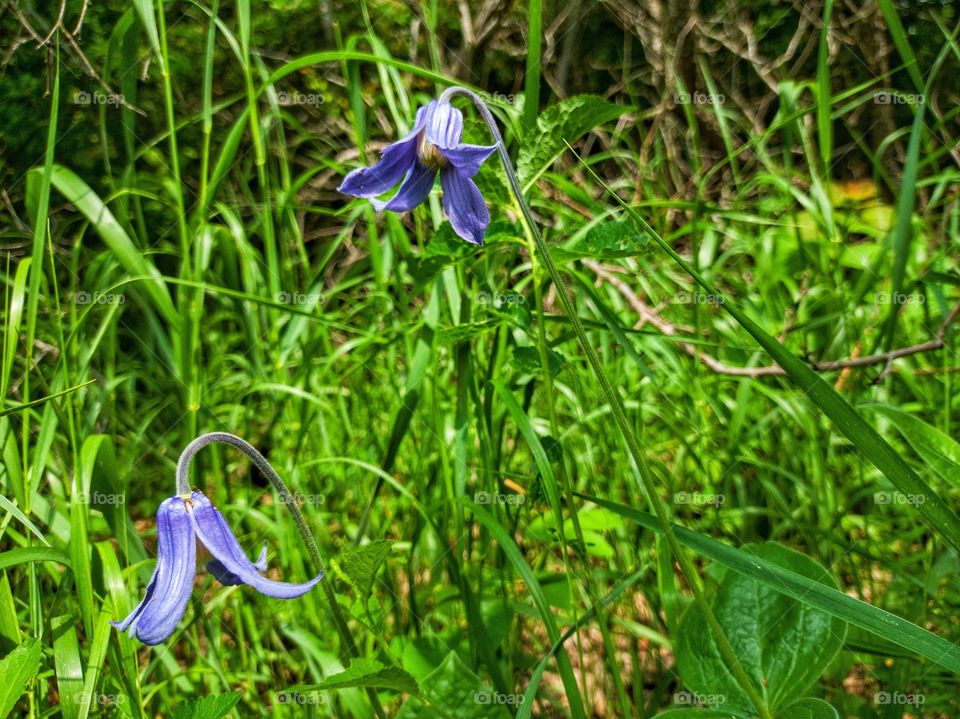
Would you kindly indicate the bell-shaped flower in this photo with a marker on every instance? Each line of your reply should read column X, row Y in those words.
column 432, row 147
column 181, row 521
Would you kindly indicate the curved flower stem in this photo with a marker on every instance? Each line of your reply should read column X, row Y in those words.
column 619, row 412
column 183, row 489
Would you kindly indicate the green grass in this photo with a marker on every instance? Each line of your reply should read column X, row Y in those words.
column 639, row 437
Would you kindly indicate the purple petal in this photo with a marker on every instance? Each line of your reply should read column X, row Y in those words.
column 226, row 577
column 464, row 205
column 162, row 608
column 412, row 192
column 468, row 158
column 396, row 160
column 213, row 531
column 444, row 126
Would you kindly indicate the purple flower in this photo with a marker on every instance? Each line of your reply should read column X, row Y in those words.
column 180, row 522
column 432, row 146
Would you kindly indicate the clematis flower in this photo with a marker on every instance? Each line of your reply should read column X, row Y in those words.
column 432, row 147
column 181, row 521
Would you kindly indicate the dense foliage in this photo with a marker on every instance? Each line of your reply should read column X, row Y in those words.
column 688, row 456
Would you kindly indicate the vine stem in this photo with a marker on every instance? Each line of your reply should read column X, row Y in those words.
column 687, row 567
column 289, row 501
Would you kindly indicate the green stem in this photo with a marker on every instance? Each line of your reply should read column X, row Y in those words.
column 619, row 412
column 288, row 500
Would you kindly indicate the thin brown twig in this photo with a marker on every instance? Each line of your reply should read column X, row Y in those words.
column 650, row 316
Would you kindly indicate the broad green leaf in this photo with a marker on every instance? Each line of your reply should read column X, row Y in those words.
column 784, row 645
column 866, row 616
column 559, row 124
column 206, row 708
column 364, row 672
column 457, row 693
column 361, row 564
column 937, row 449
column 17, row 668
column 809, row 709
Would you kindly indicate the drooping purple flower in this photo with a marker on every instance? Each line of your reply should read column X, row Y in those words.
column 181, row 521
column 433, row 146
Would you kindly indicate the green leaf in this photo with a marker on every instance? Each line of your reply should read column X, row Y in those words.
column 206, row 708
column 361, row 564
column 698, row 714
column 24, row 555
column 809, row 709
column 784, row 645
column 78, row 192
column 937, row 449
column 559, row 124
column 526, row 360
column 604, row 241
column 17, row 668
column 456, row 692
column 364, row 672
column 858, row 613
column 935, row 511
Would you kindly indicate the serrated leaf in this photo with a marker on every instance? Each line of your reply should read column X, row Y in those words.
column 604, row 241
column 364, row 672
column 564, row 122
column 17, row 668
column 783, row 645
column 361, row 564
column 456, row 691
column 206, row 708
